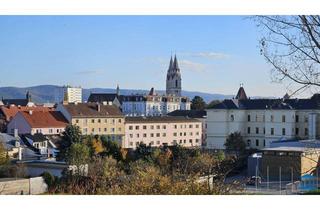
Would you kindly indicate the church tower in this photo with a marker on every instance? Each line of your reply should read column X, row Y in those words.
column 173, row 85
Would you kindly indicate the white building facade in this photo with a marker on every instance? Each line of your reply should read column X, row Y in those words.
column 153, row 105
column 72, row 94
column 261, row 121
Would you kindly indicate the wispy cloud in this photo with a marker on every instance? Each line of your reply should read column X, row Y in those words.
column 89, row 72
column 192, row 66
column 208, row 55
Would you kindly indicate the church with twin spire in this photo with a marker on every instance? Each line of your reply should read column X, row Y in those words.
column 152, row 103
column 173, row 83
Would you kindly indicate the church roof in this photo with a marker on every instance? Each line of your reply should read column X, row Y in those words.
column 102, row 97
column 170, row 65
column 175, row 64
column 241, row 95
column 152, row 92
column 286, row 96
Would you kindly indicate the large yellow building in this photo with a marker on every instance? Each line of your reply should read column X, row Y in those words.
column 95, row 119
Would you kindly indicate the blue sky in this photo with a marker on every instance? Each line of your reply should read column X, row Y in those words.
column 215, row 53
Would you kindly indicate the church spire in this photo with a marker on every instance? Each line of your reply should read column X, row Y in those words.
column 175, row 64
column 171, row 64
column 118, row 90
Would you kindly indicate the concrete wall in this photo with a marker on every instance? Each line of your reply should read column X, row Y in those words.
column 31, row 186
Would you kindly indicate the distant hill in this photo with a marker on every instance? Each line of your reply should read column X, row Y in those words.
column 53, row 93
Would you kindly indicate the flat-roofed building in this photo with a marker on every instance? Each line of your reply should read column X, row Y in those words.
column 289, row 163
column 162, row 131
column 72, row 94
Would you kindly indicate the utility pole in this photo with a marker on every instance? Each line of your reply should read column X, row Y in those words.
column 256, row 178
column 291, row 179
column 268, row 178
column 280, row 178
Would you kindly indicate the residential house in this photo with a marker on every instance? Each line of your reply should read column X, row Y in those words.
column 32, row 122
column 7, row 112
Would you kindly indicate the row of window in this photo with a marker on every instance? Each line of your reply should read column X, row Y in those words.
column 112, row 130
column 150, row 107
column 283, row 118
column 257, row 143
column 174, row 142
column 113, row 121
column 163, row 134
column 144, row 127
column 51, row 131
column 272, row 131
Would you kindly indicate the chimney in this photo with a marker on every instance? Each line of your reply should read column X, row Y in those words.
column 98, row 107
column 30, row 112
column 15, row 133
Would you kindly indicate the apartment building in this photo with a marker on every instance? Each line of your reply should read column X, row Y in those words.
column 72, row 94
column 261, row 121
column 95, row 119
column 162, row 131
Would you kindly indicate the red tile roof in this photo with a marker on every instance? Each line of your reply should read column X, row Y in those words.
column 45, row 119
column 10, row 111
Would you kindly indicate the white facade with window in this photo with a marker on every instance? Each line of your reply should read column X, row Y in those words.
column 261, row 121
column 72, row 94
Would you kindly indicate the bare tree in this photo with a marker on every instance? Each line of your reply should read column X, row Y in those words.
column 291, row 44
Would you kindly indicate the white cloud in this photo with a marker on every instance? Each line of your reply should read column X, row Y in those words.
column 191, row 66
column 209, row 55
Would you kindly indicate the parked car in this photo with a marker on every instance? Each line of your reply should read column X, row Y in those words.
column 253, row 180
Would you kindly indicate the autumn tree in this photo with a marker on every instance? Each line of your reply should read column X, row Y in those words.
column 3, row 155
column 291, row 45
column 197, row 103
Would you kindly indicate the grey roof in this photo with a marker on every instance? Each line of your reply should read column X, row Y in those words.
column 92, row 110
column 17, row 102
column 159, row 119
column 302, row 104
column 189, row 113
column 291, row 149
column 7, row 140
column 102, row 97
